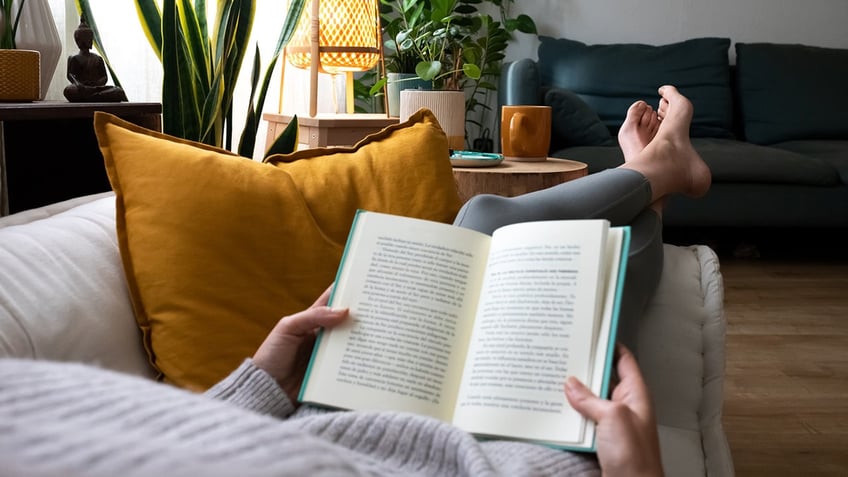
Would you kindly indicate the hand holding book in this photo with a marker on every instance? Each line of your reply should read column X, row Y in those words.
column 286, row 350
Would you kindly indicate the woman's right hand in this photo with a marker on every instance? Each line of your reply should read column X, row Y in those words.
column 626, row 429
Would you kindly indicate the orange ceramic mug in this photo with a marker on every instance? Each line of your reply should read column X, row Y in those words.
column 525, row 132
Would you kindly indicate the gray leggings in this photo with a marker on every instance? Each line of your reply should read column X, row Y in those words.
column 621, row 196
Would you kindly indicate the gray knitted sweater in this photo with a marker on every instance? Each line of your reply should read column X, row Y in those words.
column 61, row 419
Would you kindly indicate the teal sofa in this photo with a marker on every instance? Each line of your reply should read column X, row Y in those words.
column 772, row 126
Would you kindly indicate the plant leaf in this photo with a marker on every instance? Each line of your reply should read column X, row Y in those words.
column 287, row 31
column 151, row 22
column 378, row 86
column 247, row 141
column 427, row 70
column 286, row 142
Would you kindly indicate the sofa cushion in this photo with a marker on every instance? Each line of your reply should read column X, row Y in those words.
column 737, row 161
column 733, row 161
column 834, row 153
column 63, row 295
column 573, row 122
column 769, row 78
column 597, row 158
column 610, row 77
column 217, row 248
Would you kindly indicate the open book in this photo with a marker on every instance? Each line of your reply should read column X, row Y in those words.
column 477, row 331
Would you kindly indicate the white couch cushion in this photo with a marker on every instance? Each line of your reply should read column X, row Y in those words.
column 62, row 290
column 681, row 355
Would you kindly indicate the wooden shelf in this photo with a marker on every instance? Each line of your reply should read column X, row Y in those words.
column 49, row 152
column 53, row 110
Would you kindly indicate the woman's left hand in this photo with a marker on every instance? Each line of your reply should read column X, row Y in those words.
column 286, row 350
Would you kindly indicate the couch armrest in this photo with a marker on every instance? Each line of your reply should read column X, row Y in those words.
column 519, row 83
column 680, row 350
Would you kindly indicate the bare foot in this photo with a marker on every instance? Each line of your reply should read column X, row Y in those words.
column 669, row 161
column 639, row 127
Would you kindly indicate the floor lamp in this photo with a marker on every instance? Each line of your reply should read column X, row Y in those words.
column 345, row 37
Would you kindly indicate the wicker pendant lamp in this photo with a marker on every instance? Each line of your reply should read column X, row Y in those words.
column 345, row 37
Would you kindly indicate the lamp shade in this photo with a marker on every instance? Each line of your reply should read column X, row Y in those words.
column 348, row 36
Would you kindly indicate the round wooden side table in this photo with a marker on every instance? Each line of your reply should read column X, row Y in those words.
column 511, row 178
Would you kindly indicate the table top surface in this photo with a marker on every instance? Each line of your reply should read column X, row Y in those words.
column 63, row 109
column 551, row 165
column 335, row 120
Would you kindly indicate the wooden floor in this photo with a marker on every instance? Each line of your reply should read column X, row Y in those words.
column 786, row 390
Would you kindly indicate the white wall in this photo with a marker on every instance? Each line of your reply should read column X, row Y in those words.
column 810, row 22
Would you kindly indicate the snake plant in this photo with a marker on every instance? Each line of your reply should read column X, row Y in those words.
column 9, row 23
column 200, row 67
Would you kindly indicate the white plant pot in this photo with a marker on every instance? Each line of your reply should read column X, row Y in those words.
column 447, row 106
column 37, row 31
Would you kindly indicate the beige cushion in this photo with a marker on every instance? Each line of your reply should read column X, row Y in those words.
column 62, row 290
column 681, row 354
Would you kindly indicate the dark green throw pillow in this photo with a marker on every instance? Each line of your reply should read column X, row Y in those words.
column 790, row 91
column 574, row 123
column 610, row 77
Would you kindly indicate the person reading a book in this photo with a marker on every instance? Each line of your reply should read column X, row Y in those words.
column 72, row 419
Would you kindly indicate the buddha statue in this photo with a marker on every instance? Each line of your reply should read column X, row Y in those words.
column 87, row 73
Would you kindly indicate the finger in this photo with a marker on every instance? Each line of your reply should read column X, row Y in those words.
column 648, row 115
column 324, row 298
column 637, row 394
column 662, row 109
column 583, row 400
column 305, row 322
column 626, row 364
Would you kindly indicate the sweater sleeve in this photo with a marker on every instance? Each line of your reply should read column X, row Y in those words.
column 251, row 388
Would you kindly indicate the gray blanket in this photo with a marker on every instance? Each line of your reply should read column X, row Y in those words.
column 74, row 420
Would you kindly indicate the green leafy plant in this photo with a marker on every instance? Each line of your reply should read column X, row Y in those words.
column 201, row 65
column 9, row 24
column 489, row 49
column 427, row 38
column 452, row 43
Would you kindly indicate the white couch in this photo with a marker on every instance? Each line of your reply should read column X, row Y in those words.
column 63, row 297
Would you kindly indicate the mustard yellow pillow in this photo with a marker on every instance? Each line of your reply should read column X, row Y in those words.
column 216, row 248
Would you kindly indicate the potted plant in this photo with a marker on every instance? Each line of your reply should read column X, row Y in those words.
column 399, row 19
column 200, row 67
column 20, row 78
column 452, row 44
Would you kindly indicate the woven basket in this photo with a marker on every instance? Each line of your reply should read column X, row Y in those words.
column 20, row 75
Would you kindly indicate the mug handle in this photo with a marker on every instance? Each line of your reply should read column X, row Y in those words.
column 516, row 124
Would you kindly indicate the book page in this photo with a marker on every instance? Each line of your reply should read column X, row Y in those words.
column 412, row 287
column 608, row 322
column 534, row 328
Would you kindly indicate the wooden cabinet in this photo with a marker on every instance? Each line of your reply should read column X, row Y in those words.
column 49, row 152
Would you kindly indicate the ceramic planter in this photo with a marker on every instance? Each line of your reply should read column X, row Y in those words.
column 447, row 106
column 20, row 75
column 37, row 31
